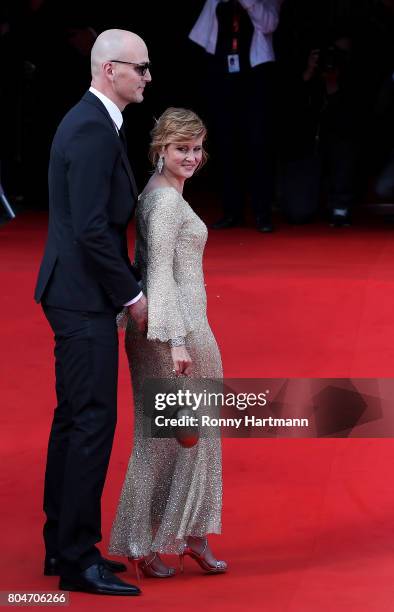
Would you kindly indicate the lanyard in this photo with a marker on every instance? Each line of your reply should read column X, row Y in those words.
column 235, row 28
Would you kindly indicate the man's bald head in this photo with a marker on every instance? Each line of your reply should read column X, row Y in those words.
column 120, row 66
column 115, row 44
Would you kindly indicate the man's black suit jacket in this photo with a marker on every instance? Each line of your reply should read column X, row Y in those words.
column 92, row 195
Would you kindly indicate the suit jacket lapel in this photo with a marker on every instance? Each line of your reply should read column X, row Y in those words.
column 92, row 99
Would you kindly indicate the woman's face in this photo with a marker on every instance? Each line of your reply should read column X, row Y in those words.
column 181, row 159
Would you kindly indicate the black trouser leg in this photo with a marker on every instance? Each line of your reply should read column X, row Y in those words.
column 385, row 181
column 242, row 124
column 226, row 129
column 300, row 183
column 341, row 159
column 81, row 435
column 259, row 125
column 56, row 459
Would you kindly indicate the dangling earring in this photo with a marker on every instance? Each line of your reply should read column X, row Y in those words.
column 160, row 164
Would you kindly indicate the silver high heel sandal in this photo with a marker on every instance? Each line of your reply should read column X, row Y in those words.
column 219, row 567
column 145, row 565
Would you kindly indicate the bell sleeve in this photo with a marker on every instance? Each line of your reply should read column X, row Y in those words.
column 166, row 314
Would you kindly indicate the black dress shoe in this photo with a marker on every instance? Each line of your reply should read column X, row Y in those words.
column 99, row 580
column 265, row 228
column 340, row 218
column 226, row 222
column 51, row 566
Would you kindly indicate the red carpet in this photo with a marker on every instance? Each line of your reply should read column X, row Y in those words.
column 308, row 525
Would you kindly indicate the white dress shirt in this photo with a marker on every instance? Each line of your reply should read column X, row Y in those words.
column 264, row 15
column 117, row 118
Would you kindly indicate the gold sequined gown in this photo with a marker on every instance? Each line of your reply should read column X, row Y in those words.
column 169, row 492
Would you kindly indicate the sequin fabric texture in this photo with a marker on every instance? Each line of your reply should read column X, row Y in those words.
column 169, row 492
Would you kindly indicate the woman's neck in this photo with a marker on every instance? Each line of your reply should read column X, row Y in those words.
column 172, row 181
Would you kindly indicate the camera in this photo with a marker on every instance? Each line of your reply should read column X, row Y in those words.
column 328, row 58
column 333, row 57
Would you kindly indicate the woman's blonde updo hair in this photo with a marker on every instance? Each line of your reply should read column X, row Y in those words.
column 176, row 125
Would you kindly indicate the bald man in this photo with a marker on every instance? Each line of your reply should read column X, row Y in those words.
column 85, row 279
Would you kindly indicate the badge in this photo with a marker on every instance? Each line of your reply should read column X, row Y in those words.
column 233, row 62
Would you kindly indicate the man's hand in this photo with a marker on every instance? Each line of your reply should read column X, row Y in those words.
column 181, row 360
column 139, row 313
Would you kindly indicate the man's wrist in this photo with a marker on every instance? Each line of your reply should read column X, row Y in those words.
column 134, row 300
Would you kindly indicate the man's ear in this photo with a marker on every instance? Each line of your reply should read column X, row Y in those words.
column 108, row 69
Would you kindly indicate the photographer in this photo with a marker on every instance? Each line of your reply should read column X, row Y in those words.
column 337, row 128
column 240, row 76
column 320, row 131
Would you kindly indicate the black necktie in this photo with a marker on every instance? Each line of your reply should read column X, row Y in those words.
column 123, row 139
column 122, row 134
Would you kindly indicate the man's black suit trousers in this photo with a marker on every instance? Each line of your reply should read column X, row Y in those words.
column 86, row 362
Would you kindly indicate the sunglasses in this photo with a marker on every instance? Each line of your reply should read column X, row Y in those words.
column 141, row 69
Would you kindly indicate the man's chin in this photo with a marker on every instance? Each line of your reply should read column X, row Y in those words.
column 136, row 98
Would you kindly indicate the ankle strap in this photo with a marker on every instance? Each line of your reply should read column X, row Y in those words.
column 147, row 563
column 205, row 545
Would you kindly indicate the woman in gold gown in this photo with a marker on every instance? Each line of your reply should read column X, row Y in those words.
column 172, row 495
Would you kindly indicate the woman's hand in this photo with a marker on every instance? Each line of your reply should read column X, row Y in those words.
column 181, row 360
